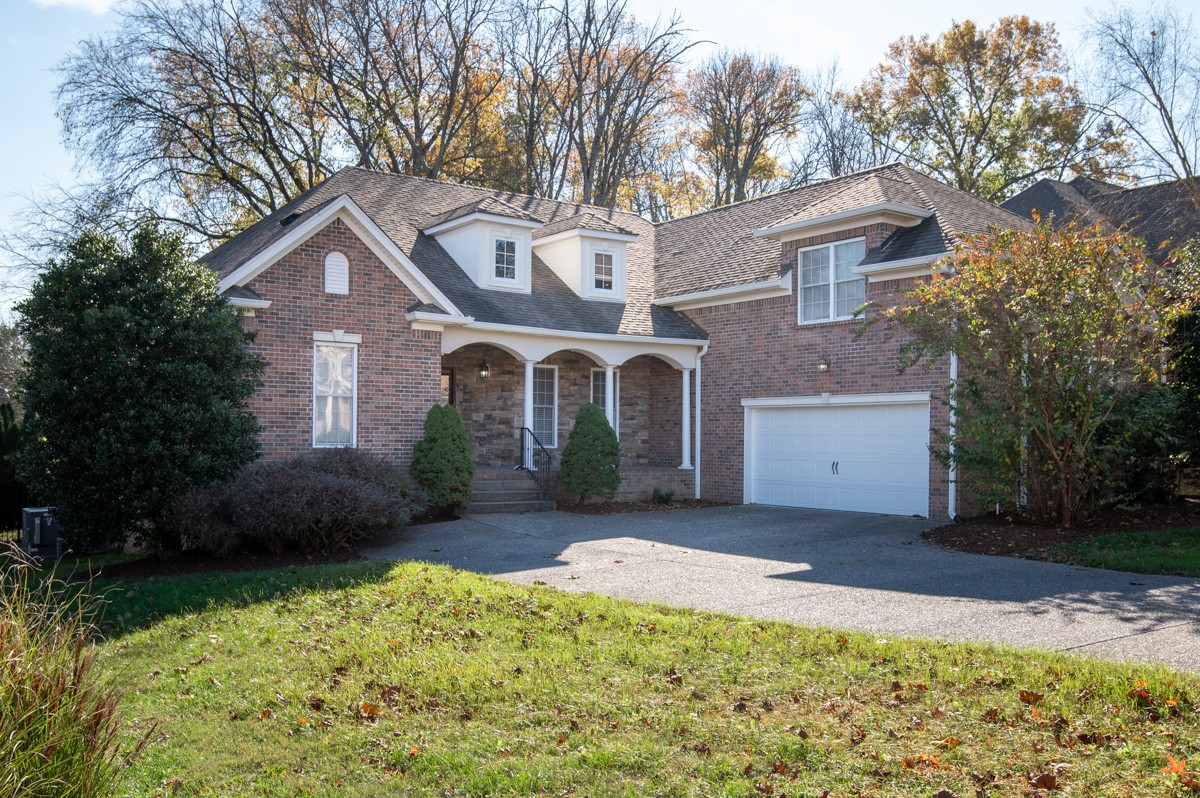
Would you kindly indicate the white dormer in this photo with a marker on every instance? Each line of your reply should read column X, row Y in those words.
column 588, row 254
column 491, row 241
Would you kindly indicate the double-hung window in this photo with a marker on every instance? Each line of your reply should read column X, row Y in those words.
column 603, row 271
column 506, row 259
column 545, row 405
column 334, row 387
column 598, row 394
column 829, row 288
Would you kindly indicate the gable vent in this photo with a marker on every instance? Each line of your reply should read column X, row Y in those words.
column 337, row 274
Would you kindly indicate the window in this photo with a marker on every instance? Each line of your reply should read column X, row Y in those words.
column 334, row 385
column 506, row 259
column 829, row 289
column 545, row 405
column 603, row 271
column 598, row 386
column 337, row 273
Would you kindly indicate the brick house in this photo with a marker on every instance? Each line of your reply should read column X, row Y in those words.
column 722, row 347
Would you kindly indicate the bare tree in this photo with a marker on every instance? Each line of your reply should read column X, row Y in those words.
column 833, row 141
column 742, row 106
column 1148, row 80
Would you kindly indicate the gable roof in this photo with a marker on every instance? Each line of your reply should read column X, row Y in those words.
column 717, row 249
column 1162, row 214
column 490, row 204
column 585, row 220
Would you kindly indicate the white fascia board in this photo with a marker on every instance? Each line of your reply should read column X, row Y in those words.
column 898, row 209
column 779, row 286
column 248, row 303
column 490, row 218
column 345, row 208
column 899, row 269
column 542, row 331
column 911, row 397
column 601, row 235
column 438, row 319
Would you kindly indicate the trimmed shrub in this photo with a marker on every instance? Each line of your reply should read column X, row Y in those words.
column 591, row 462
column 59, row 725
column 442, row 460
column 324, row 501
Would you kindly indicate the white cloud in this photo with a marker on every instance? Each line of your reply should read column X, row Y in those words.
column 95, row 6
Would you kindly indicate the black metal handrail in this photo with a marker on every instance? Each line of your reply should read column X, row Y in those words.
column 536, row 459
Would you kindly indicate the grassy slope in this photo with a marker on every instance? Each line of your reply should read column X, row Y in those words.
column 1169, row 551
column 484, row 688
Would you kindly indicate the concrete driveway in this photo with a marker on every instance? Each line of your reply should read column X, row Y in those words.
column 843, row 570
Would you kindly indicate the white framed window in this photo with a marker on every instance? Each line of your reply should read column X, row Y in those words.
column 598, row 388
column 335, row 389
column 505, row 259
column 829, row 288
column 602, row 271
column 545, row 405
column 337, row 273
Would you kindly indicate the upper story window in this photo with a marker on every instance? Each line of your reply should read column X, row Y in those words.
column 506, row 259
column 829, row 288
column 603, row 271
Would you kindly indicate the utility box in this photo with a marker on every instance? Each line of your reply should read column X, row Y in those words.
column 40, row 533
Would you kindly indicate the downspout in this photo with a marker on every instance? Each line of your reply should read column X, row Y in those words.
column 696, row 430
column 952, row 474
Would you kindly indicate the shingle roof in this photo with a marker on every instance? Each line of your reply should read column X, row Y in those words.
column 1162, row 214
column 717, row 249
column 581, row 221
column 492, row 205
column 402, row 206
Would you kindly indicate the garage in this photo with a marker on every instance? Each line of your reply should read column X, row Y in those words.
column 864, row 453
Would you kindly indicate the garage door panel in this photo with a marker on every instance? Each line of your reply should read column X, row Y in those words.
column 881, row 453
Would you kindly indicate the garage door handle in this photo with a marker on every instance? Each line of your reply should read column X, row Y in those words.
column 836, row 465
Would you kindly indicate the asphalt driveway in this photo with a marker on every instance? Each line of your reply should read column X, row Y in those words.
column 843, row 570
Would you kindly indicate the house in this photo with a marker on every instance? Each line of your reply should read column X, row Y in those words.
column 723, row 347
column 1163, row 214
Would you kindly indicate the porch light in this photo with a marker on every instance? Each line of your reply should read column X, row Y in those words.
column 824, row 365
column 485, row 370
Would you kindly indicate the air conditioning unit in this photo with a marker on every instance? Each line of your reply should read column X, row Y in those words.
column 40, row 533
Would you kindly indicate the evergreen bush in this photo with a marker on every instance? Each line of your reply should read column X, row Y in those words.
column 442, row 460
column 591, row 463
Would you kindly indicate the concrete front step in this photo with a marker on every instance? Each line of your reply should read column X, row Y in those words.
column 518, row 506
column 518, row 485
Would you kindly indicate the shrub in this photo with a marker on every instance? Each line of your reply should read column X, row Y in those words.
column 1143, row 441
column 324, row 501
column 660, row 496
column 59, row 726
column 591, row 462
column 442, row 459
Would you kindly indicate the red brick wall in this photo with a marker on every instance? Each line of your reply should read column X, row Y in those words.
column 758, row 349
column 398, row 368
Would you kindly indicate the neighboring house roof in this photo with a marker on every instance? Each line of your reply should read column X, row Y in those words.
column 1162, row 214
column 403, row 206
column 717, row 249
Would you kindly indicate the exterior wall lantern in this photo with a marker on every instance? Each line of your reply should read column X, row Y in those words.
column 824, row 365
column 485, row 370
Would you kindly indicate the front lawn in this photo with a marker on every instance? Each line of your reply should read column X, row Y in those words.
column 364, row 680
column 1167, row 551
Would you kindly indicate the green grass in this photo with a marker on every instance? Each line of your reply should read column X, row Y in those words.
column 1168, row 551
column 365, row 680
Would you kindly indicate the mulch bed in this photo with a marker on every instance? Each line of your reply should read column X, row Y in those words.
column 613, row 508
column 1015, row 537
column 180, row 564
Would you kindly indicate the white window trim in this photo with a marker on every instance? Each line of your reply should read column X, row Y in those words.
column 554, row 424
column 619, row 274
column 833, row 281
column 612, row 257
column 319, row 339
column 518, row 261
column 598, row 376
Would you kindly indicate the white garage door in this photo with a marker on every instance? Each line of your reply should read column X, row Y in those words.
column 871, row 457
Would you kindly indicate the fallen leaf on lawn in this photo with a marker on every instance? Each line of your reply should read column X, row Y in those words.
column 266, row 714
column 1030, row 697
column 1044, row 781
column 912, row 762
column 780, row 767
column 949, row 742
column 370, row 710
column 944, row 793
column 416, row 749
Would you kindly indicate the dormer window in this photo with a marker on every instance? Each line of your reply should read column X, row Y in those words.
column 603, row 271
column 505, row 259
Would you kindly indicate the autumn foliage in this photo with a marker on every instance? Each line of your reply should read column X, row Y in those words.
column 1053, row 330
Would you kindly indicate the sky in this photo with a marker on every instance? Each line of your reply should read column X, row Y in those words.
column 37, row 34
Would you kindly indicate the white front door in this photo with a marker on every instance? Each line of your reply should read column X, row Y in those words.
column 871, row 457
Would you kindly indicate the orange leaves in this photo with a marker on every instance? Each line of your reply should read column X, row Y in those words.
column 1178, row 769
column 369, row 711
column 266, row 714
column 1030, row 697
column 949, row 742
column 921, row 760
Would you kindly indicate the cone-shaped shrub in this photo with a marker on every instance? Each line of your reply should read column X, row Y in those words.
column 442, row 459
column 591, row 463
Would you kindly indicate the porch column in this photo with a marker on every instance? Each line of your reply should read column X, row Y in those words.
column 687, row 419
column 608, row 397
column 526, row 443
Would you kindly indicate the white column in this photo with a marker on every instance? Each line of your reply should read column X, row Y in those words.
column 609, row 405
column 687, row 419
column 528, row 446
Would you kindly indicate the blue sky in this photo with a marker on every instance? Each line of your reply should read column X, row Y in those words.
column 36, row 34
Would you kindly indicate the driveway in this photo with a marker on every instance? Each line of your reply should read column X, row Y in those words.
column 818, row 568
